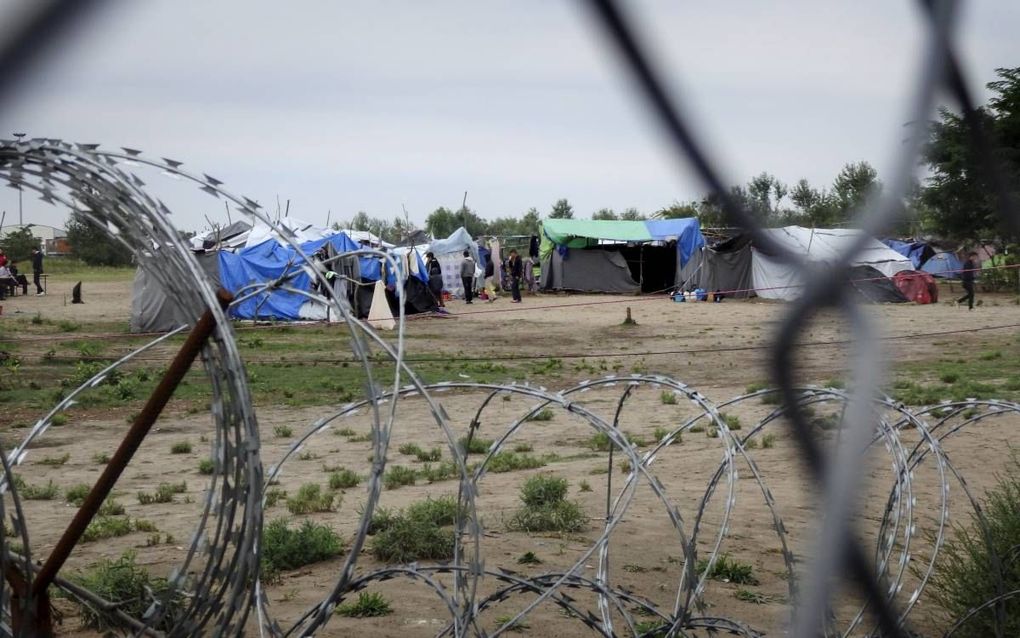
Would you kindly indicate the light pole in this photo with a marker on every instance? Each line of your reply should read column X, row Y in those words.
column 21, row 221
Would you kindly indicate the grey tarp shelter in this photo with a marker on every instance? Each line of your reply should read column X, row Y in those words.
column 604, row 270
column 152, row 310
column 723, row 267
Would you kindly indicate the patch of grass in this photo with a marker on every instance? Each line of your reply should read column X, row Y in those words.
column 284, row 548
column 991, row 355
column 523, row 447
column 444, row 471
column 512, row 462
column 650, row 629
column 59, row 419
column 398, row 476
column 520, row 625
column 546, row 508
column 76, row 494
column 181, row 447
column 382, row 519
column 949, row 377
column 283, row 431
column 110, row 507
column 410, row 449
column 407, row 539
column 584, row 486
column 46, row 492
column 101, row 458
column 440, row 511
column 529, row 558
column 143, row 525
column 164, row 493
column 732, row 421
column 545, row 414
column 343, row 478
column 768, row 441
column 311, row 499
column 474, row 446
column 274, row 495
column 962, row 580
column 697, row 428
column 729, row 570
column 751, row 444
column 748, row 596
column 345, row 432
column 134, row 590
column 668, row 397
column 103, row 527
column 368, row 605
column 429, row 456
column 835, row 383
column 206, row 466
column 55, row 460
column 757, row 386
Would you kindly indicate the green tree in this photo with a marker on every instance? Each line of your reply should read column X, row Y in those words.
column 853, row 186
column 562, row 210
column 93, row 245
column 18, row 244
column 361, row 221
column 530, row 222
column 632, row 214
column 441, row 222
column 605, row 213
column 959, row 198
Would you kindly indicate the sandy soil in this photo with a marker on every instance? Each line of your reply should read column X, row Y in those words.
column 645, row 555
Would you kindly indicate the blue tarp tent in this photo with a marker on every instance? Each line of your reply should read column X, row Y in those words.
column 945, row 265
column 918, row 252
column 265, row 262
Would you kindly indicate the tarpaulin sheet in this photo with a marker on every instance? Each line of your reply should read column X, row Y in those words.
column 581, row 233
column 268, row 261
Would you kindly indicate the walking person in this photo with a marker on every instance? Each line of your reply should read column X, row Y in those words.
column 435, row 272
column 467, row 276
column 516, row 268
column 967, row 279
column 37, row 271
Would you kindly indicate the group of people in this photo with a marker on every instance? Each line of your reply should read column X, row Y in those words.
column 11, row 278
column 468, row 275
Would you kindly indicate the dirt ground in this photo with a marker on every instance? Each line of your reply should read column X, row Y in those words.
column 715, row 348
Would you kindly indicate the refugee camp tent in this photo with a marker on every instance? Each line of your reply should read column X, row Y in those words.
column 872, row 286
column 616, row 256
column 917, row 251
column 945, row 265
column 152, row 310
column 450, row 252
column 917, row 286
column 774, row 279
column 723, row 267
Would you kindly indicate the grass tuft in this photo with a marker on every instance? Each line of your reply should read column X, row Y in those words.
column 284, row 548
column 122, row 580
column 368, row 605
column 181, row 447
column 311, row 499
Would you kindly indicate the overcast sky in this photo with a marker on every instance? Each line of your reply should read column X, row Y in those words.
column 348, row 106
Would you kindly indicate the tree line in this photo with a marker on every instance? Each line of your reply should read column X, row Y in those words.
column 959, row 198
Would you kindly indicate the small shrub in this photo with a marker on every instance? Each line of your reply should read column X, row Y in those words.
column 432, row 455
column 310, row 499
column 751, row 444
column 545, row 414
column 949, row 377
column 284, row 548
column 757, row 386
column 523, row 447
column 368, row 605
column 697, row 428
column 543, row 489
column 182, row 447
column 382, row 519
column 474, row 446
column 410, row 449
column 444, row 471
column 283, row 431
column 600, row 442
column 529, row 558
column 650, row 629
column 110, row 507
column 206, row 466
column 143, row 525
column 345, row 432
column 519, row 626
column 164, row 493
column 584, row 486
column 768, row 441
column 273, row 496
column 668, row 397
column 343, row 479
column 76, row 495
column 101, row 458
column 399, row 476
column 55, row 460
column 406, row 539
column 545, row 509
column 441, row 511
column 732, row 421
column 729, row 570
column 103, row 527
column 133, row 589
column 59, row 419
column 511, row 462
column 749, row 596
column 46, row 492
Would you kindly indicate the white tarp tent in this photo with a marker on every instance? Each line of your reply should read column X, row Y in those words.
column 773, row 279
column 450, row 252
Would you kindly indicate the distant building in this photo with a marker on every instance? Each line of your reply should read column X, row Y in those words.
column 53, row 239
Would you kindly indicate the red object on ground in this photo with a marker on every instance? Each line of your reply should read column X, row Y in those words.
column 917, row 286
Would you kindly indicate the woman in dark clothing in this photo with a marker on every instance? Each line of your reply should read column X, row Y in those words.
column 967, row 279
column 435, row 272
column 516, row 272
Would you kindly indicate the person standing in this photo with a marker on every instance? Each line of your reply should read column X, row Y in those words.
column 967, row 279
column 467, row 276
column 516, row 268
column 435, row 272
column 3, row 257
column 37, row 271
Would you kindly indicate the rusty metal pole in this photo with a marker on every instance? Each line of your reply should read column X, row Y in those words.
column 132, row 440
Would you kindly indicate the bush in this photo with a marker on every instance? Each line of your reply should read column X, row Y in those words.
column 964, row 578
column 55, row 460
column 545, row 508
column 76, row 495
column 768, row 441
column 309, row 499
column 545, row 414
column 206, row 466
column 368, row 605
column 46, row 492
column 407, row 539
column 398, row 476
column 410, row 449
column 668, row 397
column 729, row 570
column 106, row 527
column 284, row 548
column 382, row 519
column 182, row 447
column 442, row 472
column 163, row 494
column 474, row 446
column 283, row 432
column 441, row 511
column 134, row 590
column 343, row 478
column 432, row 455
column 511, row 461
column 732, row 421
